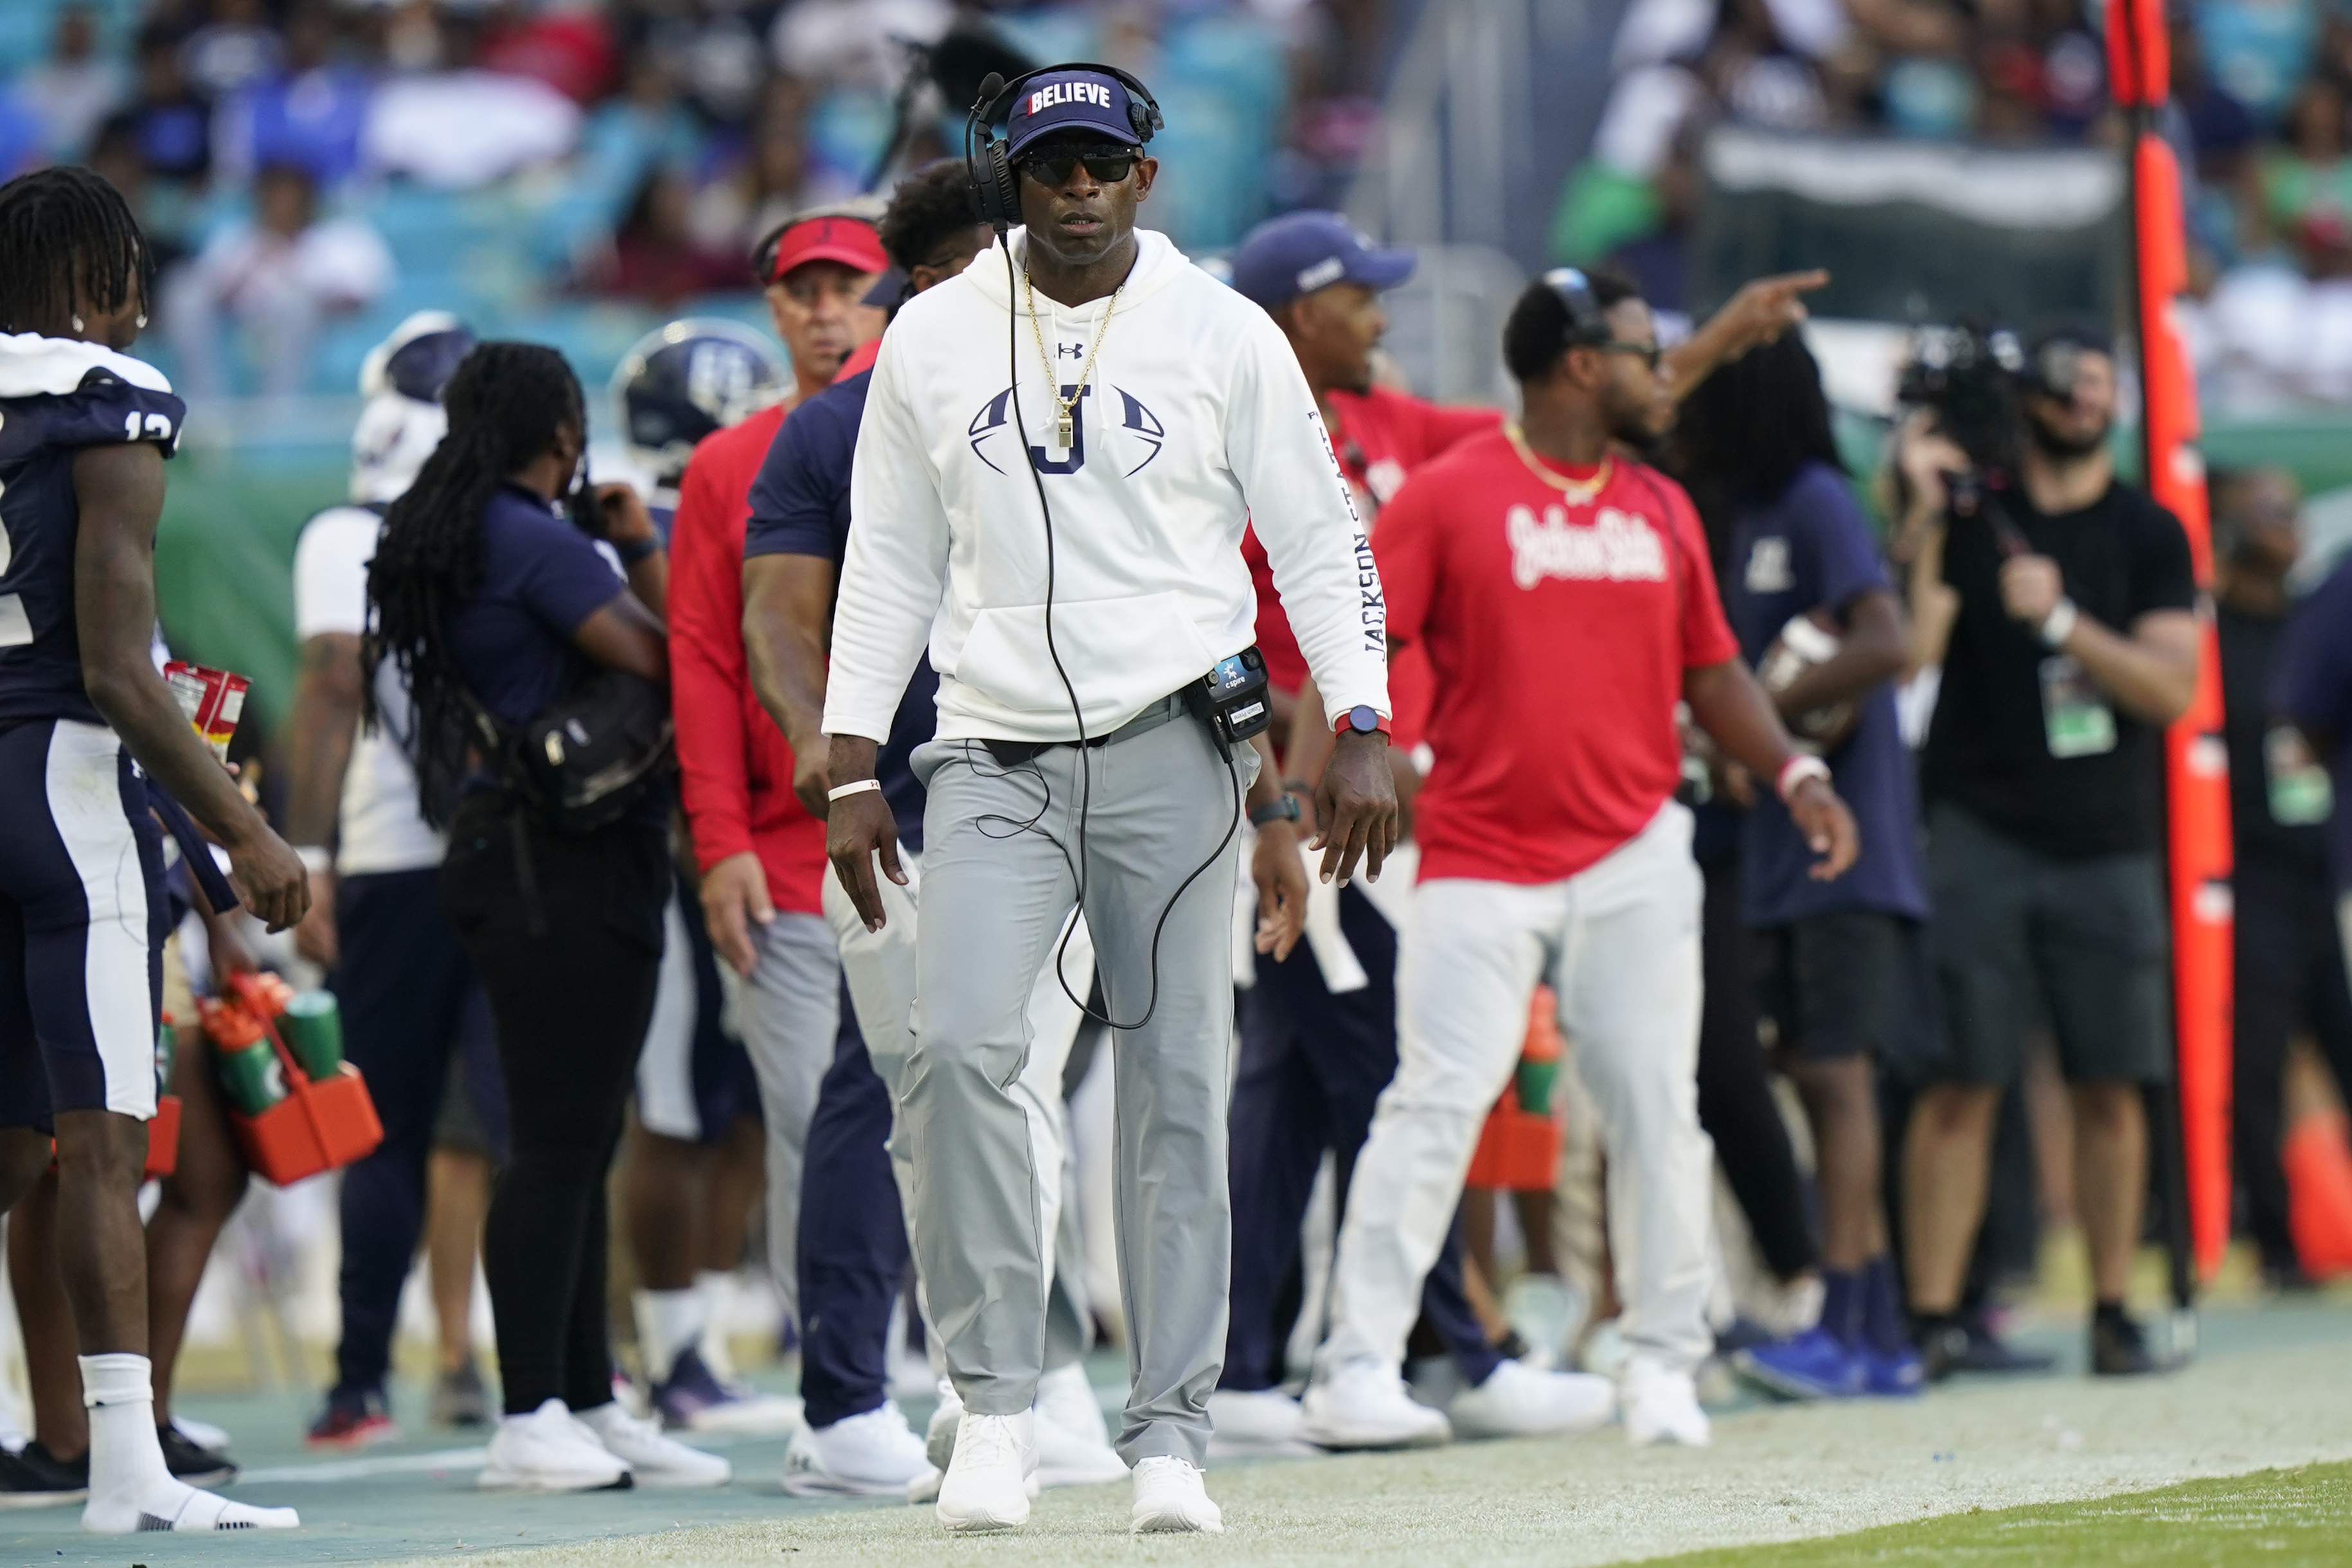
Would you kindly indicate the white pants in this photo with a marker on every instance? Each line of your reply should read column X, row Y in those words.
column 879, row 967
column 790, row 1009
column 1619, row 942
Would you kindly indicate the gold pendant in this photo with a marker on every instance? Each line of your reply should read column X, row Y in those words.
column 1064, row 431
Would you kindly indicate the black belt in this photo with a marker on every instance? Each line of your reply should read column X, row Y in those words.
column 1013, row 753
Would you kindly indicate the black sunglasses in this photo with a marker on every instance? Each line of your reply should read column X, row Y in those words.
column 1648, row 354
column 1107, row 164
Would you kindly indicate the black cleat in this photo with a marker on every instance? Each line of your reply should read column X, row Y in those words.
column 34, row 1477
column 191, row 1463
column 1983, row 1353
column 2119, row 1348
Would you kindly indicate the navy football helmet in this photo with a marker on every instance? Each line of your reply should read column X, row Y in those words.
column 689, row 379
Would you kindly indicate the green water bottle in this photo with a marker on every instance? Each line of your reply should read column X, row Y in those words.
column 314, row 1032
column 251, row 1077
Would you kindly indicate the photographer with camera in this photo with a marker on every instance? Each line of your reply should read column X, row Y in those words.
column 534, row 675
column 2061, row 604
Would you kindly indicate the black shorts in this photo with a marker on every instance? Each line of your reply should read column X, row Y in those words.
column 1843, row 984
column 2022, row 939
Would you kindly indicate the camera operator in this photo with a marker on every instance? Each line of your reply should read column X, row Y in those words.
column 496, row 610
column 1150, row 413
column 2061, row 603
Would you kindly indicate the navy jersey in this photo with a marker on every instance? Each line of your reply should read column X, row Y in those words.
column 55, row 398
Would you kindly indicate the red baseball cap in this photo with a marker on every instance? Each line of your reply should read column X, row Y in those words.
column 851, row 241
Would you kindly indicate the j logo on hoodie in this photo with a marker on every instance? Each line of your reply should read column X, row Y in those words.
column 996, row 415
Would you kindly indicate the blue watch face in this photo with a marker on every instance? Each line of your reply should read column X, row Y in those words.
column 1363, row 717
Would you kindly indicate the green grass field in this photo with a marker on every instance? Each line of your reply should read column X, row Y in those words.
column 2292, row 1519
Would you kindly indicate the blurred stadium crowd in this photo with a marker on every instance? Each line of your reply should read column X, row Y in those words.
column 2258, row 119
column 313, row 172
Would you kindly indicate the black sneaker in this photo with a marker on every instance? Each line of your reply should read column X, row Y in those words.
column 189, row 1462
column 460, row 1400
column 1943, row 1347
column 1983, row 1353
column 2119, row 1348
column 34, row 1477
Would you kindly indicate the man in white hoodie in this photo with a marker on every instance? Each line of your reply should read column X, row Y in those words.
column 1059, row 453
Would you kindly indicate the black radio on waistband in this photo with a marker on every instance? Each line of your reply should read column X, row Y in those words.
column 1231, row 698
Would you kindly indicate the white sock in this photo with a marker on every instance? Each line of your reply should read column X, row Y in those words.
column 130, row 1489
column 667, row 1321
column 714, row 1285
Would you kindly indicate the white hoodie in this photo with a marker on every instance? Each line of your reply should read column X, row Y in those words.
column 1195, row 420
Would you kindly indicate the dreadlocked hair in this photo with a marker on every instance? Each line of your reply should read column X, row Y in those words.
column 68, row 242
column 1743, row 435
column 505, row 402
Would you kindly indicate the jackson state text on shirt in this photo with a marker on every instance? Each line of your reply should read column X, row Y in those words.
column 1618, row 546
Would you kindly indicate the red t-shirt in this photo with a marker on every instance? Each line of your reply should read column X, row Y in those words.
column 1557, row 632
column 735, row 769
column 1380, row 437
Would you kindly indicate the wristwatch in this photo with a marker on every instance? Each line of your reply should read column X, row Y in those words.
column 1363, row 718
column 1284, row 809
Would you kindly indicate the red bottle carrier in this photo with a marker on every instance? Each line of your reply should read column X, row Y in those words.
column 1518, row 1148
column 322, row 1123
column 163, row 1138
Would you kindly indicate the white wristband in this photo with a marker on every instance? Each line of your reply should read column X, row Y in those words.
column 2060, row 623
column 857, row 788
column 316, row 859
column 1796, row 771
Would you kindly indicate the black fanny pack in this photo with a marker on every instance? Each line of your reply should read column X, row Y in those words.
column 583, row 761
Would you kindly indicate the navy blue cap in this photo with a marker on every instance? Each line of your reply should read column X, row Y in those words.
column 1075, row 101
column 1300, row 252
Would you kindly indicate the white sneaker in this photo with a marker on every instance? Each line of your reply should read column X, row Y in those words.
column 655, row 1459
column 1065, row 1398
column 939, row 1437
column 985, row 1485
column 1518, row 1401
column 1363, row 1405
column 547, row 1451
column 1171, row 1496
column 1662, row 1405
column 1547, row 1311
column 1067, row 1458
column 1256, row 1418
column 872, row 1454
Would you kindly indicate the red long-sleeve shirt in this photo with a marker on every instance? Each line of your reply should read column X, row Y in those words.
column 735, row 770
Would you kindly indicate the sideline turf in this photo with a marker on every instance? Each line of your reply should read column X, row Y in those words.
column 2283, row 1518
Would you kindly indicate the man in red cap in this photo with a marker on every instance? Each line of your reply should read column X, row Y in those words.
column 761, row 855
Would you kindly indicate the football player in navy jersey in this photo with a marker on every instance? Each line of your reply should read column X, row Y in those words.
column 86, row 723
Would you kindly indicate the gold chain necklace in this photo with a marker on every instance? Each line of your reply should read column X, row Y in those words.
column 1581, row 491
column 1066, row 412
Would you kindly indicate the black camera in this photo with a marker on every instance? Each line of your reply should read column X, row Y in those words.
column 1969, row 376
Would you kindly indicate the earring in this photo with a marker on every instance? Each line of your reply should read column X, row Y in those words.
column 142, row 321
column 77, row 321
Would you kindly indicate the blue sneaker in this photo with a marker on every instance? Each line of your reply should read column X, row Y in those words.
column 695, row 1399
column 1898, row 1376
column 1813, row 1365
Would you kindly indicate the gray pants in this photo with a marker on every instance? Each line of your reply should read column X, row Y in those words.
column 790, row 1011
column 878, row 967
column 994, row 901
